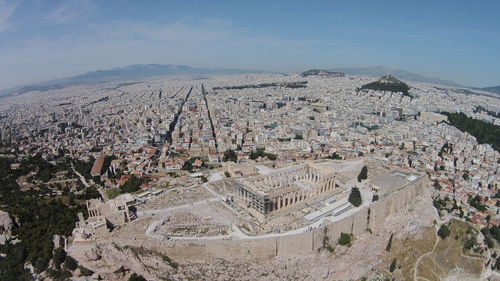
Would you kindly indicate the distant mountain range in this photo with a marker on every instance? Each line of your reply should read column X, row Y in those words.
column 495, row 90
column 131, row 72
column 140, row 71
column 378, row 71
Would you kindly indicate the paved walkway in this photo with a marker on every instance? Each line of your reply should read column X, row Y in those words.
column 82, row 178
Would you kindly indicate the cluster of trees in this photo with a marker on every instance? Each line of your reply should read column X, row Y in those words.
column 484, row 132
column 490, row 233
column 260, row 152
column 230, row 155
column 490, row 113
column 37, row 217
column 396, row 87
column 44, row 170
column 476, row 203
column 83, row 167
column 441, row 204
column 188, row 164
column 444, row 231
column 133, row 184
column 470, row 241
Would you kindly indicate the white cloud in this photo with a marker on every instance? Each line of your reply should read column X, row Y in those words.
column 6, row 12
column 69, row 10
column 197, row 42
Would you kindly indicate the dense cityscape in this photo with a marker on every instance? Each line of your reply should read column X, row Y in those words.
column 249, row 140
column 155, row 145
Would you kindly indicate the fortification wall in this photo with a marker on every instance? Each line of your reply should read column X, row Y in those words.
column 264, row 249
column 379, row 210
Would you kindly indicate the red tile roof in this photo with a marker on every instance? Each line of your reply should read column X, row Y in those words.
column 97, row 167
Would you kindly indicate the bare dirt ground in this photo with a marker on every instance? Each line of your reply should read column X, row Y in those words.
column 449, row 259
column 177, row 196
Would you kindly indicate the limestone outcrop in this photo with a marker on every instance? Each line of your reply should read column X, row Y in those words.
column 5, row 223
column 114, row 262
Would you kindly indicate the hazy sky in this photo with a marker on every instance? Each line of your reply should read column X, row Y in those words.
column 450, row 39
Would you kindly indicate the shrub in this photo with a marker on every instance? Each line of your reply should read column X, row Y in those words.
column 135, row 277
column 444, row 231
column 392, row 267
column 389, row 244
column 344, row 239
column 70, row 263
column 85, row 271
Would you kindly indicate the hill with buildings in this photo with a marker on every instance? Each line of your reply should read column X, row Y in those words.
column 388, row 83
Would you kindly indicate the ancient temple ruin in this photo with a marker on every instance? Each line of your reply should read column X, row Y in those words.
column 283, row 188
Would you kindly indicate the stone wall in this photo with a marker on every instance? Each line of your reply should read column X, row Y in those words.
column 264, row 249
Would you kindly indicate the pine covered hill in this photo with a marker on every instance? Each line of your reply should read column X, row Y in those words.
column 484, row 132
column 388, row 83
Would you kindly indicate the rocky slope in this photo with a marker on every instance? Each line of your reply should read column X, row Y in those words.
column 366, row 257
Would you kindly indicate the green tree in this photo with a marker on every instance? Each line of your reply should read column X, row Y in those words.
column 271, row 156
column 58, row 257
column 135, row 277
column 437, row 186
column 392, row 267
column 230, row 155
column 355, row 197
column 70, row 263
column 476, row 203
column 133, row 184
column 389, row 244
column 363, row 175
column 444, row 231
column 470, row 242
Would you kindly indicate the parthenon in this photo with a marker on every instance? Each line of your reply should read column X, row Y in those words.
column 283, row 188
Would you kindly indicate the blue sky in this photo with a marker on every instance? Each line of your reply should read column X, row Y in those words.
column 45, row 39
